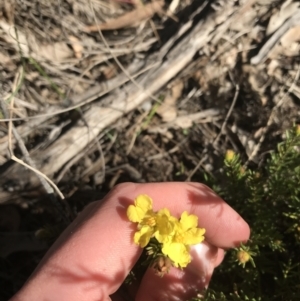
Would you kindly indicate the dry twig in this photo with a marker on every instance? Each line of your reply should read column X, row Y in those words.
column 271, row 119
column 131, row 18
column 44, row 180
column 268, row 46
column 236, row 94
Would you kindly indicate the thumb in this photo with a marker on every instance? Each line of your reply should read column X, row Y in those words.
column 181, row 284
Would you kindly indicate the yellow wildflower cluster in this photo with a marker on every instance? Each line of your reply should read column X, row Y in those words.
column 175, row 235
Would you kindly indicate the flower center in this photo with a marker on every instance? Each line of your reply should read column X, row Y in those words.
column 179, row 237
column 150, row 221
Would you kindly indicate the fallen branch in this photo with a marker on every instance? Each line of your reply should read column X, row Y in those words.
column 113, row 106
column 44, row 180
column 269, row 45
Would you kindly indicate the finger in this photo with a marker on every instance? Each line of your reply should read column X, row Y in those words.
column 93, row 256
column 220, row 257
column 181, row 284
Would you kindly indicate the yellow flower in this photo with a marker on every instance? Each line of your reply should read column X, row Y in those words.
column 141, row 212
column 147, row 227
column 159, row 224
column 172, row 235
column 186, row 233
column 178, row 253
column 142, row 206
column 142, row 237
column 165, row 225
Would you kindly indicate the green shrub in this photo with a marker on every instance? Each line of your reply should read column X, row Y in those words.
column 268, row 198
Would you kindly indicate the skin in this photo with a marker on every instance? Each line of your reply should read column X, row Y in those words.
column 91, row 259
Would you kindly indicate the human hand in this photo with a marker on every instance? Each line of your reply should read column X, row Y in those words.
column 92, row 257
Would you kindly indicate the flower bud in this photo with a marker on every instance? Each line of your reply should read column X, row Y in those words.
column 230, row 155
column 243, row 256
column 298, row 130
column 162, row 265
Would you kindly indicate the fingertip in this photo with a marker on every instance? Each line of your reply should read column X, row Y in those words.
column 220, row 257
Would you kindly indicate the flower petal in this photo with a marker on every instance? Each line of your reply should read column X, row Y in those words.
column 188, row 221
column 143, row 236
column 194, row 236
column 178, row 253
column 165, row 226
column 137, row 212
column 144, row 202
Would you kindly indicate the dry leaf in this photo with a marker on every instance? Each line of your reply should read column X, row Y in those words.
column 7, row 62
column 187, row 121
column 287, row 10
column 131, row 18
column 229, row 58
column 77, row 47
column 184, row 122
column 137, row 3
column 289, row 44
column 272, row 66
column 173, row 6
column 109, row 71
column 18, row 41
column 56, row 52
column 177, row 89
column 258, row 80
column 9, row 10
column 29, row 46
column 293, row 35
column 246, row 21
column 2, row 159
column 168, row 110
